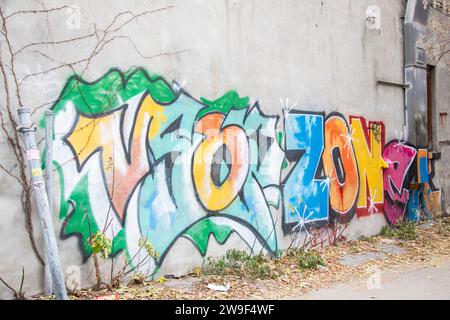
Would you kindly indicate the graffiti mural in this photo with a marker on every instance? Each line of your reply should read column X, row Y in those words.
column 368, row 142
column 425, row 198
column 305, row 194
column 138, row 158
column 400, row 158
column 340, row 165
column 158, row 164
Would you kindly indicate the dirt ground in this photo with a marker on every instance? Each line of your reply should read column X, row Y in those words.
column 366, row 263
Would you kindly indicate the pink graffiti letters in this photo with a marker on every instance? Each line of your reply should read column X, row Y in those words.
column 400, row 158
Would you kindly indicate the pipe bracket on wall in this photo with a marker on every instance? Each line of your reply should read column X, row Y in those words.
column 393, row 84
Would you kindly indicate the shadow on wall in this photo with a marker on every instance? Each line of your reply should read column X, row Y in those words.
column 140, row 159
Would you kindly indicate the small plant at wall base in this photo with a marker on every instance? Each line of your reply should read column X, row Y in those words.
column 238, row 262
column 241, row 263
column 306, row 259
column 151, row 251
column 99, row 244
column 401, row 231
column 138, row 276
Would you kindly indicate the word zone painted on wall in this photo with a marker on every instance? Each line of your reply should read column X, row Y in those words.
column 141, row 161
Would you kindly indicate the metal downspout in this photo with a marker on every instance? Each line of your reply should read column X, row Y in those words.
column 415, row 68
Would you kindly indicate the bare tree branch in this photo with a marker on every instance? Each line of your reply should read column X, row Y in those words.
column 87, row 36
column 11, row 175
column 36, row 11
column 18, row 295
column 13, row 82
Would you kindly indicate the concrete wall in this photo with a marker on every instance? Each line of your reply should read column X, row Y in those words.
column 314, row 56
column 440, row 98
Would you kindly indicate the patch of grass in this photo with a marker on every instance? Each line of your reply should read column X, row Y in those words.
column 238, row 262
column 367, row 239
column 306, row 259
column 402, row 231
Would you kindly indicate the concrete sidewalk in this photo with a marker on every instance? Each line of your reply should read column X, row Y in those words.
column 412, row 284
